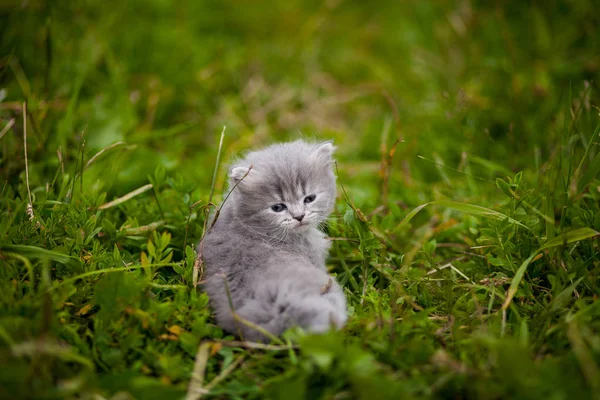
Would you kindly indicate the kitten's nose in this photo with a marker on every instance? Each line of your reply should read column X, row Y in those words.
column 299, row 217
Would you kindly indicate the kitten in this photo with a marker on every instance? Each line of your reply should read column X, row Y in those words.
column 265, row 252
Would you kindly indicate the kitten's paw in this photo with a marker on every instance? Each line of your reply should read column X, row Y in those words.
column 320, row 315
column 326, row 321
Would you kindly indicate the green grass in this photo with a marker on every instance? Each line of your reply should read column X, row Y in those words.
column 466, row 238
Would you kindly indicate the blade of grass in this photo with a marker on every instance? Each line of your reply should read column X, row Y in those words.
column 38, row 252
column 225, row 373
column 584, row 357
column 143, row 229
column 440, row 166
column 462, row 207
column 570, row 237
column 565, row 238
column 126, row 197
column 589, row 146
column 589, row 176
column 8, row 125
column 56, row 284
column 45, row 346
column 195, row 387
column 216, row 170
column 99, row 154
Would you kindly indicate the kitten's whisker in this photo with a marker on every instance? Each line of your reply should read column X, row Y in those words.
column 281, row 241
column 255, row 231
column 277, row 239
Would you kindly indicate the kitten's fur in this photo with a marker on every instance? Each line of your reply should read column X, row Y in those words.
column 272, row 263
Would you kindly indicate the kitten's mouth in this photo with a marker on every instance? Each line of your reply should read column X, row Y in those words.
column 302, row 225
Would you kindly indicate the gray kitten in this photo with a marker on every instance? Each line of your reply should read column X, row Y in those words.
column 265, row 248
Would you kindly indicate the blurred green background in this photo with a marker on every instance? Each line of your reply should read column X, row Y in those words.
column 480, row 78
column 485, row 103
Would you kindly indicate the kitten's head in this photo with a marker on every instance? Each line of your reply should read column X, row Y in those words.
column 286, row 187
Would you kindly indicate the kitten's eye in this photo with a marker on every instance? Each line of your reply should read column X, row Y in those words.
column 278, row 207
column 310, row 199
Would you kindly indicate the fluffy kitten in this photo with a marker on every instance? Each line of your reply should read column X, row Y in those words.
column 265, row 248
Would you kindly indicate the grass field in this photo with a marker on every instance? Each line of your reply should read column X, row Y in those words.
column 466, row 236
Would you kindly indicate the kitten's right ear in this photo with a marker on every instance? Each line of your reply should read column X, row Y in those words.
column 238, row 173
column 324, row 152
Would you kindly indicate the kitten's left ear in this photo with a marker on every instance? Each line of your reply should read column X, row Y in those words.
column 238, row 173
column 325, row 151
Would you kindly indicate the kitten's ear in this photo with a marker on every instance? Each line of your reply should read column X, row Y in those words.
column 325, row 151
column 238, row 173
